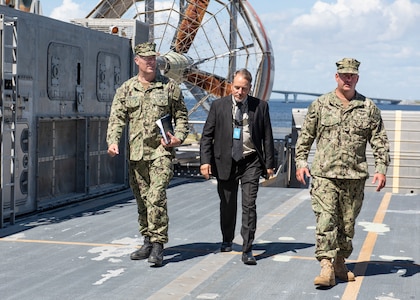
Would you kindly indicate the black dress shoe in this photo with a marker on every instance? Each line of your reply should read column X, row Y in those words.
column 248, row 258
column 226, row 247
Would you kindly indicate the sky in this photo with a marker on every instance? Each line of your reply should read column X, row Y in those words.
column 308, row 37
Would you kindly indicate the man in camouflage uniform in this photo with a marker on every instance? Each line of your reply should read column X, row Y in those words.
column 341, row 122
column 141, row 101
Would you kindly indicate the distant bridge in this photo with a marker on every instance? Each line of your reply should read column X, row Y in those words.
column 295, row 97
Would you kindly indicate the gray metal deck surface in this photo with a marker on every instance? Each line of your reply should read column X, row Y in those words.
column 82, row 251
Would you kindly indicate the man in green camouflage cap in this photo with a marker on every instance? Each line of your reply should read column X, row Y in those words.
column 141, row 101
column 341, row 122
column 348, row 66
column 146, row 49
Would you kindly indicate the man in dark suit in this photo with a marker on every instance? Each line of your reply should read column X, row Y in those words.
column 244, row 120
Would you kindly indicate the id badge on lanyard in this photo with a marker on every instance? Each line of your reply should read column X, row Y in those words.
column 236, row 133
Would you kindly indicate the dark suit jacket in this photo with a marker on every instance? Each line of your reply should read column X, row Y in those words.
column 216, row 141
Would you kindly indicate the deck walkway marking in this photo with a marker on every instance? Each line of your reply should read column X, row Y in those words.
column 353, row 288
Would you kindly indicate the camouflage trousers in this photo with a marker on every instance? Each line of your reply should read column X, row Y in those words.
column 336, row 204
column 149, row 181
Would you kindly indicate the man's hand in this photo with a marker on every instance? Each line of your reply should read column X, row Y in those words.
column 205, row 170
column 381, row 179
column 270, row 173
column 113, row 150
column 301, row 173
column 173, row 141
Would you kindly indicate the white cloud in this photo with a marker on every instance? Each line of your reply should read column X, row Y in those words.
column 308, row 37
column 382, row 34
column 68, row 10
column 403, row 19
column 357, row 20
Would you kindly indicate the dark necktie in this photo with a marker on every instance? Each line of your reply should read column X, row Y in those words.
column 237, row 147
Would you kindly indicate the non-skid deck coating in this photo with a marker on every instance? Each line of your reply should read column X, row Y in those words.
column 82, row 251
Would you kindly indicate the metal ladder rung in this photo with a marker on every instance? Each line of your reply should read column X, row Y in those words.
column 8, row 75
column 9, row 130
column 9, row 94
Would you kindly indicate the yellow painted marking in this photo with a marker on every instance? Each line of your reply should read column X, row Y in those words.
column 353, row 288
column 185, row 283
column 397, row 152
column 60, row 242
column 234, row 253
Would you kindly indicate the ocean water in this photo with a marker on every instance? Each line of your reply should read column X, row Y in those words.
column 281, row 113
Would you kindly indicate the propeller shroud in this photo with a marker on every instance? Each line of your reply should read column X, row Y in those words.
column 202, row 43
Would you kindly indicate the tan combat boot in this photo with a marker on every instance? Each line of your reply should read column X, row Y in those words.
column 341, row 270
column 326, row 278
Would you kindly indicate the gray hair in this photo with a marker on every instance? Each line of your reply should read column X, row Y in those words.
column 245, row 73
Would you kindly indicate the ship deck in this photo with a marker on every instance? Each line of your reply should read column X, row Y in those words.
column 81, row 251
